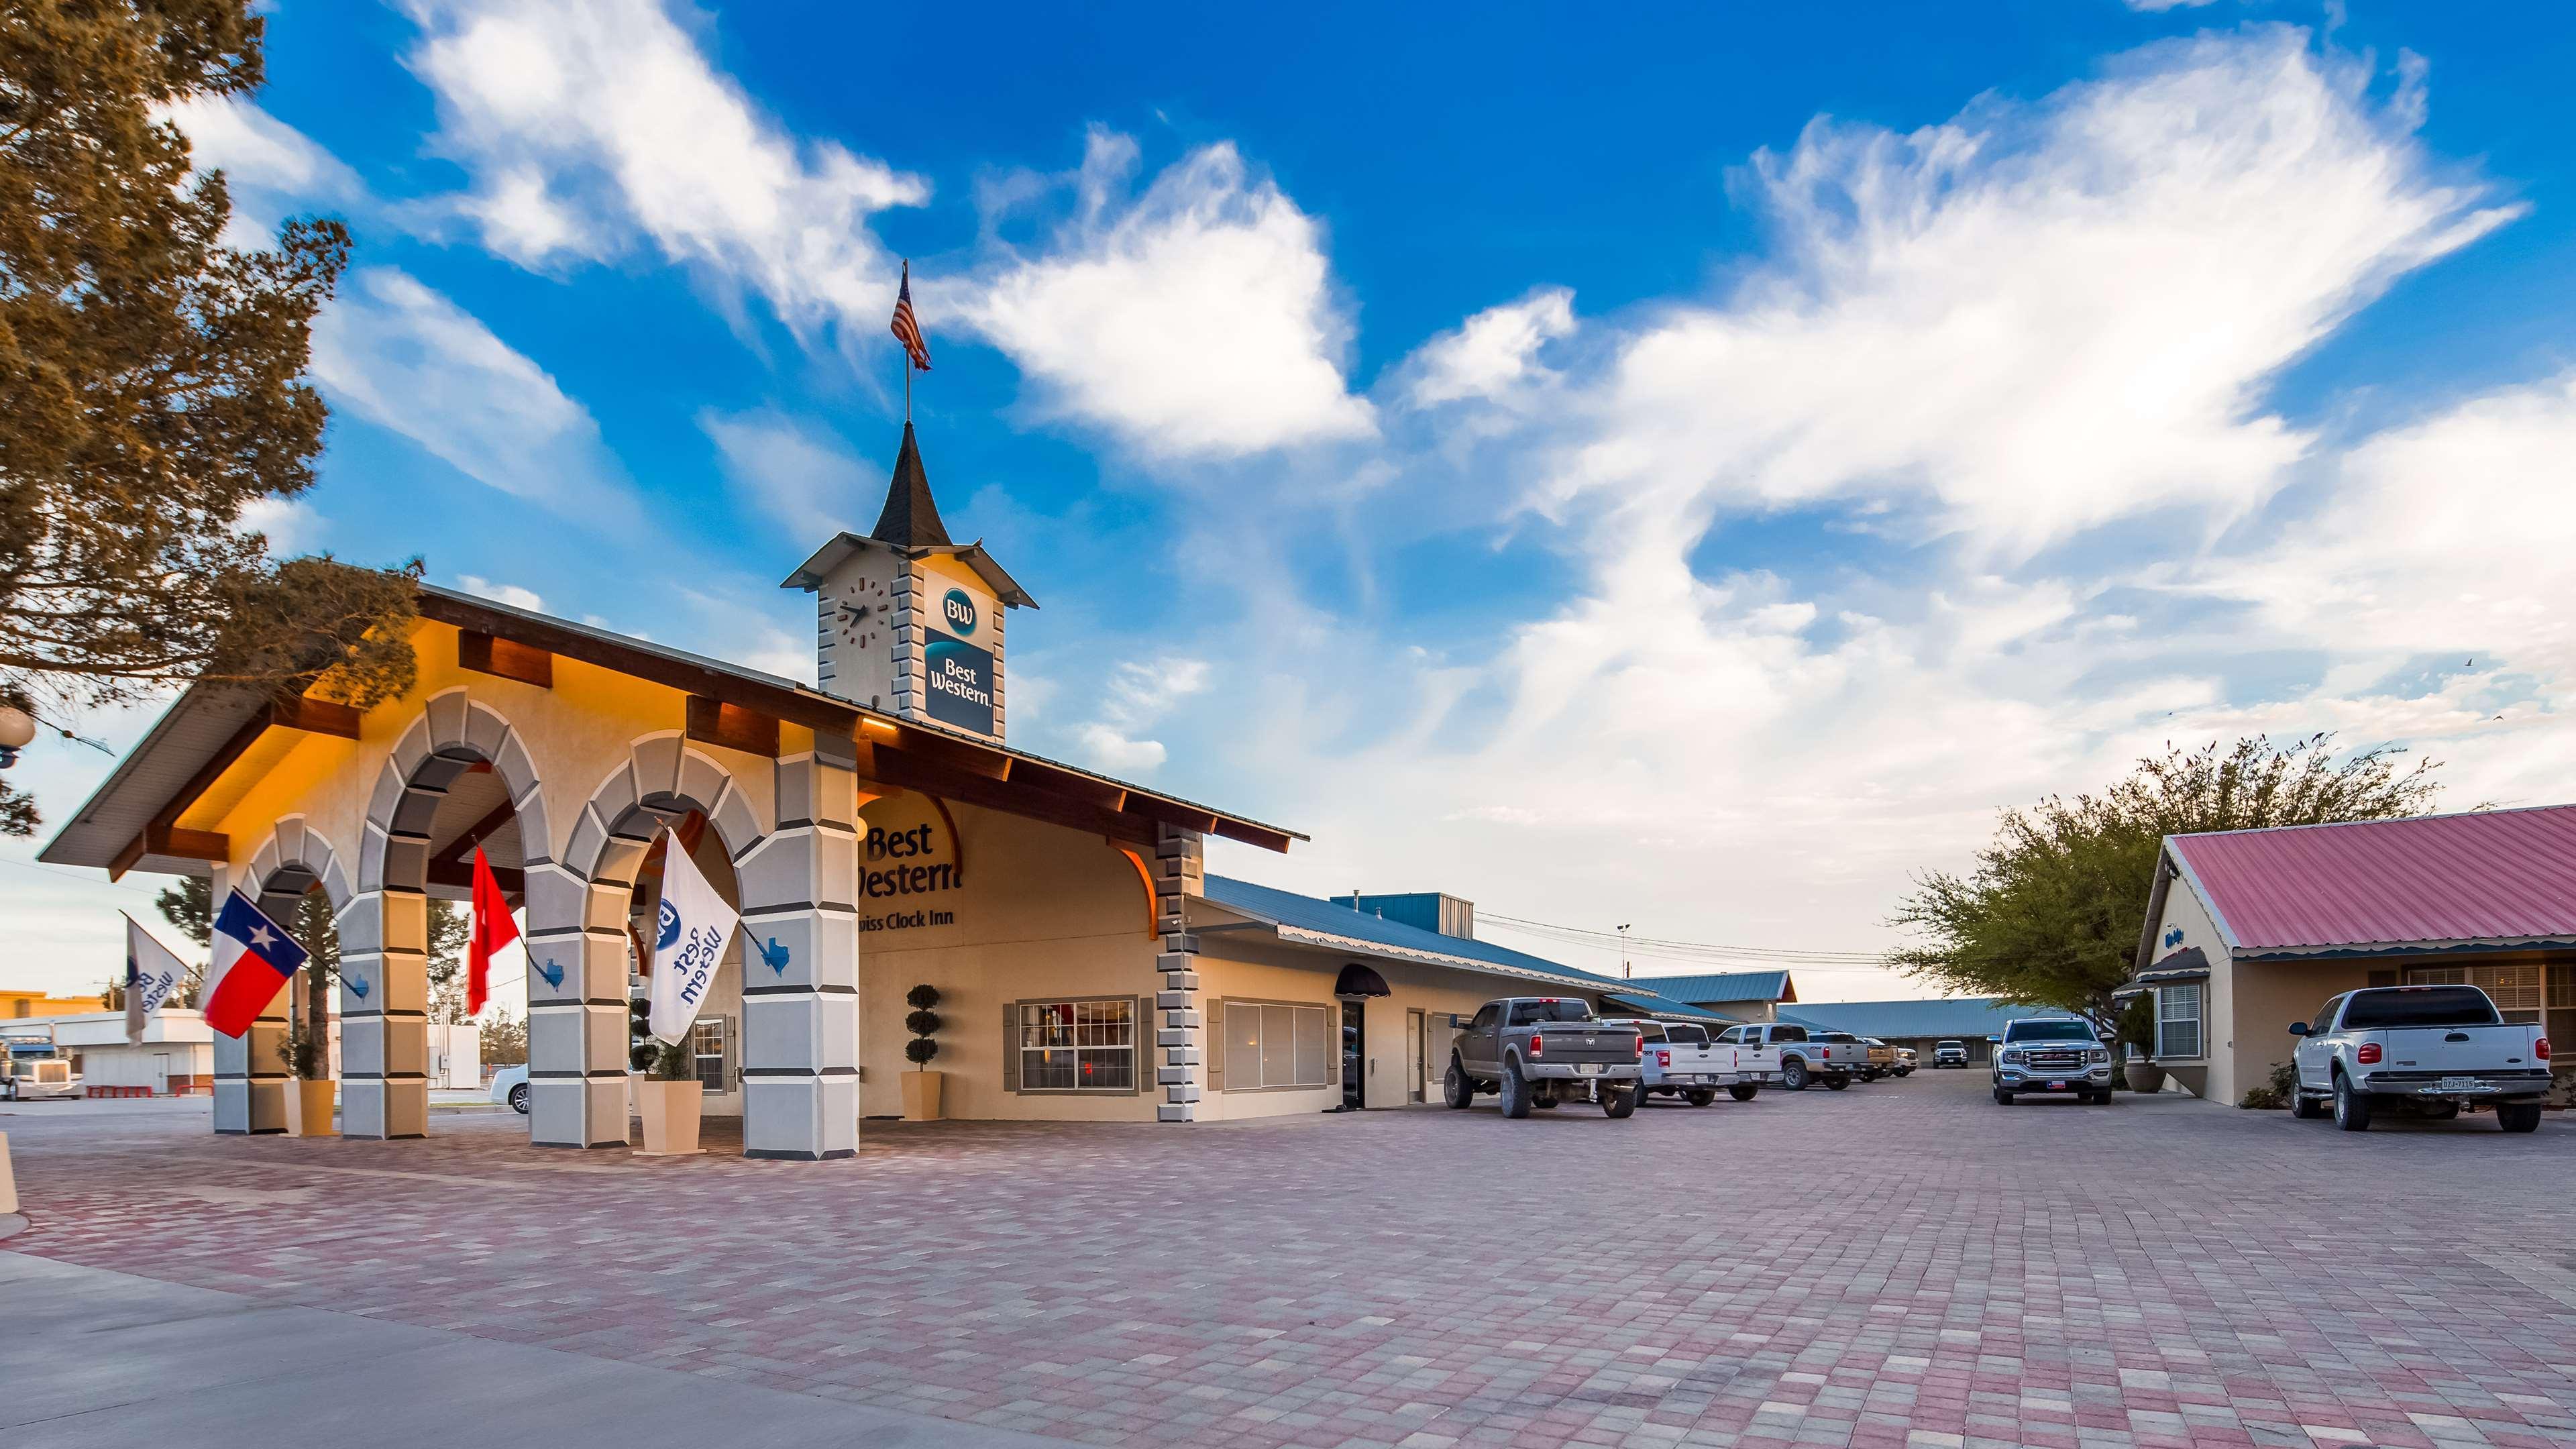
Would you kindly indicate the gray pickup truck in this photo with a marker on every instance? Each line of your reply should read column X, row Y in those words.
column 1538, row 1051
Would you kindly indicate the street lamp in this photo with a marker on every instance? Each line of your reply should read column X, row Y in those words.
column 1626, row 972
column 17, row 728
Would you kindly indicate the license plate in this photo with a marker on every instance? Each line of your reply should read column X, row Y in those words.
column 1587, row 1069
column 2459, row 1084
column 2057, row 1086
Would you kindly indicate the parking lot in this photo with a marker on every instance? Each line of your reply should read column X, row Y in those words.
column 1904, row 1263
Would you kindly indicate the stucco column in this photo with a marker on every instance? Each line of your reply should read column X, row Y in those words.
column 1180, row 870
column 384, row 1012
column 577, row 992
column 250, row 1076
column 800, row 985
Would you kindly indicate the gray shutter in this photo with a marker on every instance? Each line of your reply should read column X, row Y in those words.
column 1147, row 1054
column 1332, row 1044
column 1011, row 1047
column 1214, row 1055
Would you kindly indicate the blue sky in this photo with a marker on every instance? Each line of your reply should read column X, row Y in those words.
column 1687, row 465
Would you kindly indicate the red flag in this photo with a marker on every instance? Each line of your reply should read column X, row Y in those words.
column 493, row 929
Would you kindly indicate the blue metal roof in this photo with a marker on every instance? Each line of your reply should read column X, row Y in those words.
column 1306, row 913
column 1725, row 986
column 1967, row 1018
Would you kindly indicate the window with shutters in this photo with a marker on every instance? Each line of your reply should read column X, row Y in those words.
column 2178, row 1021
column 709, row 1042
column 1077, row 1046
column 1274, row 1045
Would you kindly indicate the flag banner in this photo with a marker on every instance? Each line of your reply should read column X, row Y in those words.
column 151, row 974
column 493, row 931
column 907, row 328
column 254, row 958
column 690, row 937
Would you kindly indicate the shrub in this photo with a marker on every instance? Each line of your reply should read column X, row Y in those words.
column 923, row 1023
column 2274, row 1094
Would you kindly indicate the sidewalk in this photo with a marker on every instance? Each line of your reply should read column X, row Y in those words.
column 105, row 1360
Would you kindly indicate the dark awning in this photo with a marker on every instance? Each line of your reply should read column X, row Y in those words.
column 2189, row 964
column 1359, row 980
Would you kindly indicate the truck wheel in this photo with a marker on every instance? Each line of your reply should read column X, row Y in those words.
column 2351, row 1108
column 1700, row 1098
column 1793, row 1075
column 2003, row 1098
column 1516, row 1091
column 2305, row 1107
column 1458, row 1089
column 2518, row 1116
column 1745, row 1091
column 1836, row 1083
column 1619, row 1101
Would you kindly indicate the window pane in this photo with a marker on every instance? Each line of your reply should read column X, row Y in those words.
column 1310, row 1046
column 1113, row 1069
column 1243, row 1048
column 1278, row 1045
column 1046, row 1071
column 1119, row 1017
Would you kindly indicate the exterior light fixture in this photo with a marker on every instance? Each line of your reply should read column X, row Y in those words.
column 17, row 729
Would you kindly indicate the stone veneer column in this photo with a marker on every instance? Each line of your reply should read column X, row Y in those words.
column 800, row 1025
column 384, row 1011
column 1180, row 869
column 577, row 992
column 250, row 1077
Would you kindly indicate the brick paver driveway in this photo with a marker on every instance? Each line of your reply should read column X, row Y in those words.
column 1900, row 1264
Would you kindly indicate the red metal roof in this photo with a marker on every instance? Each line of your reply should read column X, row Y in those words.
column 2490, row 875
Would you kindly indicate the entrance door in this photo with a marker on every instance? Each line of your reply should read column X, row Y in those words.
column 160, row 1074
column 1354, row 1056
column 1417, row 1050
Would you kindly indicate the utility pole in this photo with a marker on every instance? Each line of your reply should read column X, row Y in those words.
column 1626, row 972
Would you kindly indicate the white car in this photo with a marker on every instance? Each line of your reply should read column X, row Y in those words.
column 510, row 1085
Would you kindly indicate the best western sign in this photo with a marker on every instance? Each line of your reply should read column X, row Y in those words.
column 959, row 687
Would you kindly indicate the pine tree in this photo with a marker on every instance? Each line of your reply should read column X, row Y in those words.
column 153, row 385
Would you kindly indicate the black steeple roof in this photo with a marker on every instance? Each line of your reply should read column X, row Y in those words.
column 911, row 518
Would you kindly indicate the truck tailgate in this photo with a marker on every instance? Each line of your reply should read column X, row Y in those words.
column 1577, row 1042
column 2466, row 1050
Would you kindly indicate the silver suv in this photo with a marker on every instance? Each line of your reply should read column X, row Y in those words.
column 2058, row 1056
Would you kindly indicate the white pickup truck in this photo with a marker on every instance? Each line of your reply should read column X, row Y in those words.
column 1778, row 1053
column 1680, row 1061
column 2443, row 1047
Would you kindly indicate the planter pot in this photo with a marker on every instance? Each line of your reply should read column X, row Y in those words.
column 670, row 1112
column 2144, row 1076
column 308, row 1108
column 921, row 1096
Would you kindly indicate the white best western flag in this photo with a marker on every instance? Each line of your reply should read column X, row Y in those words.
column 151, row 974
column 695, row 927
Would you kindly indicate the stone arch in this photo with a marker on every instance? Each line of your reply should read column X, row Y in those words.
column 250, row 1077
column 796, row 873
column 384, row 930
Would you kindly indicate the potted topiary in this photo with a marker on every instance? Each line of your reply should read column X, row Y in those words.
column 2137, row 1031
column 309, row 1095
column 668, row 1096
column 921, row 1085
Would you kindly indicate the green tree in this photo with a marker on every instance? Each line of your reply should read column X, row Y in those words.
column 153, row 385
column 2053, row 911
column 505, row 1040
column 190, row 906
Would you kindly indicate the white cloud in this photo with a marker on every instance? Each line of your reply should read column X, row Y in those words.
column 290, row 524
column 2154, row 6
column 586, row 125
column 406, row 358
column 271, row 167
column 1494, row 352
column 799, row 472
column 1194, row 321
column 2032, row 320
column 510, row 594
column 1136, row 695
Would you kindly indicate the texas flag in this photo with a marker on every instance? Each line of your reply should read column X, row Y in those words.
column 254, row 957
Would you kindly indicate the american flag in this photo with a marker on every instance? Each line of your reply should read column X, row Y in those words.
column 906, row 328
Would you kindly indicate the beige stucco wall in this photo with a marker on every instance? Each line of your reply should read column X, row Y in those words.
column 2210, row 1075
column 1044, row 912
column 2264, row 997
